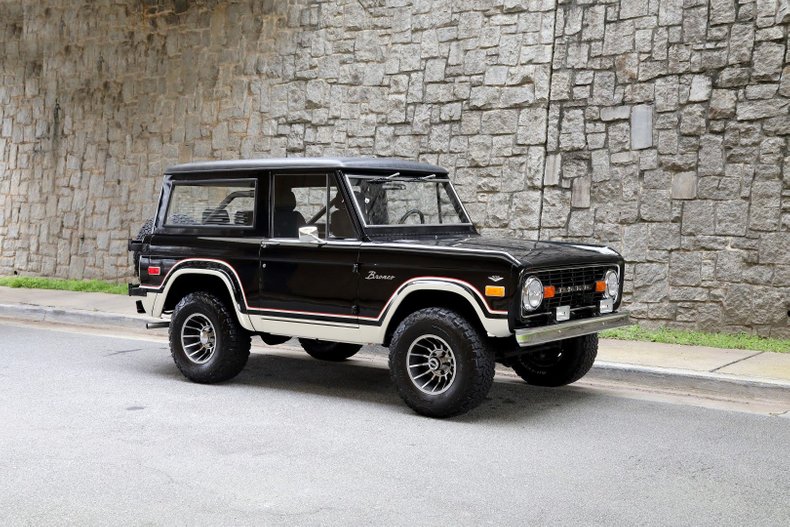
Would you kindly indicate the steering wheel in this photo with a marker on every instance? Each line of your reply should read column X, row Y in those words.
column 409, row 213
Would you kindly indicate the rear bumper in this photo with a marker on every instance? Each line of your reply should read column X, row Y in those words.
column 567, row 330
column 136, row 290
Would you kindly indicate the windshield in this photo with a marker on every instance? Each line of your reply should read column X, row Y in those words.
column 422, row 199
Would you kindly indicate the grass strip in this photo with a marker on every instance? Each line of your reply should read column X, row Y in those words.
column 90, row 286
column 741, row 341
column 664, row 335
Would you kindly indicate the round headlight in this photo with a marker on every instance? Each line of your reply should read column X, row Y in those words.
column 532, row 294
column 612, row 284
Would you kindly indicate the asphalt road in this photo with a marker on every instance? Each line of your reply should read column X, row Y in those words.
column 97, row 430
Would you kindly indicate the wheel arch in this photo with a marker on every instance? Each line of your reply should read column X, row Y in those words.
column 442, row 294
column 189, row 279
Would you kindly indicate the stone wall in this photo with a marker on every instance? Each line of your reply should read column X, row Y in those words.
column 668, row 138
column 659, row 127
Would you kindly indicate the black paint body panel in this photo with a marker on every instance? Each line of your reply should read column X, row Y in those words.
column 349, row 282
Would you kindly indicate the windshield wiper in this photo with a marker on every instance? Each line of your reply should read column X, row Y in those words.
column 401, row 178
column 385, row 178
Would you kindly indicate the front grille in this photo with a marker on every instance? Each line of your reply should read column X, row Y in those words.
column 575, row 287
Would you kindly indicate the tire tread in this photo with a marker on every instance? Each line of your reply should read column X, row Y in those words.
column 484, row 363
column 236, row 341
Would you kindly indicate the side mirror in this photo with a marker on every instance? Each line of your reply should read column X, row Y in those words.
column 309, row 234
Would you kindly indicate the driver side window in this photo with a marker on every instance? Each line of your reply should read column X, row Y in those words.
column 309, row 199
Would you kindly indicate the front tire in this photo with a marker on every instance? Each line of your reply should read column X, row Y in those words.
column 439, row 363
column 207, row 343
column 558, row 364
column 329, row 351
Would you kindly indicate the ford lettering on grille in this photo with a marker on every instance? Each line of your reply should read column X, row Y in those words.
column 574, row 288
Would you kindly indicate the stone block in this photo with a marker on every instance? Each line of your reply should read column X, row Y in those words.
column 552, row 173
column 650, row 282
column 615, row 113
column 664, row 236
column 692, row 120
column 670, row 12
column 700, row 88
column 525, row 210
column 784, row 84
column 722, row 12
column 766, row 202
column 722, row 104
column 731, row 218
column 741, row 44
column 688, row 294
column 580, row 195
column 531, row 126
column 618, row 37
column 768, row 60
column 633, row 9
column 695, row 24
column 572, row 130
column 556, row 207
column 499, row 122
column 711, row 155
column 641, row 127
column 600, row 165
column 698, row 218
column 655, row 205
column 635, row 242
column 760, row 109
column 495, row 75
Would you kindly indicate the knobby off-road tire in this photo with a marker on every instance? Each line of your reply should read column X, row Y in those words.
column 206, row 341
column 147, row 228
column 330, row 351
column 432, row 344
column 564, row 363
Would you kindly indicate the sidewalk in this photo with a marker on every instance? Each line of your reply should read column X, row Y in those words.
column 616, row 358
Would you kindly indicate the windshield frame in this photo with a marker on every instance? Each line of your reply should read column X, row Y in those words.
column 411, row 228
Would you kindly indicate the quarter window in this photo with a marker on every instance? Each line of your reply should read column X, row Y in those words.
column 229, row 204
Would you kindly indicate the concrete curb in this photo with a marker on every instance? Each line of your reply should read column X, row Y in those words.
column 71, row 316
column 715, row 384
column 712, row 383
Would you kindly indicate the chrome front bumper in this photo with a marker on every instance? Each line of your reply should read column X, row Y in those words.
column 567, row 330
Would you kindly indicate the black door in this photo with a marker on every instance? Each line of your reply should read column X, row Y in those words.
column 311, row 279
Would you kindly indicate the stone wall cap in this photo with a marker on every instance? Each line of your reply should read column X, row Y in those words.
column 360, row 163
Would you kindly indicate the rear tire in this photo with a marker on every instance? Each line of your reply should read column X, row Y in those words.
column 329, row 351
column 207, row 343
column 563, row 363
column 440, row 364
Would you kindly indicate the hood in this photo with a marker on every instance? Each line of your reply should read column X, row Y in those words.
column 531, row 253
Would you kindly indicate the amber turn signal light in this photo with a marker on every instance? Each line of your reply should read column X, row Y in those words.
column 549, row 291
column 600, row 286
column 495, row 290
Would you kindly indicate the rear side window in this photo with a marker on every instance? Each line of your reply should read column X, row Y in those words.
column 212, row 204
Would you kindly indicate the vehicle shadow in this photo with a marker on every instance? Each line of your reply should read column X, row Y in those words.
column 364, row 380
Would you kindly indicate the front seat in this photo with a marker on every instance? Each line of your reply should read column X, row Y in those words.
column 340, row 221
column 286, row 220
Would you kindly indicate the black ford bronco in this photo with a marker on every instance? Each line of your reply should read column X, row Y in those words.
column 345, row 252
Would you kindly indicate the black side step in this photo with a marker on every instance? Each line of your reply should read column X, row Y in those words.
column 156, row 325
